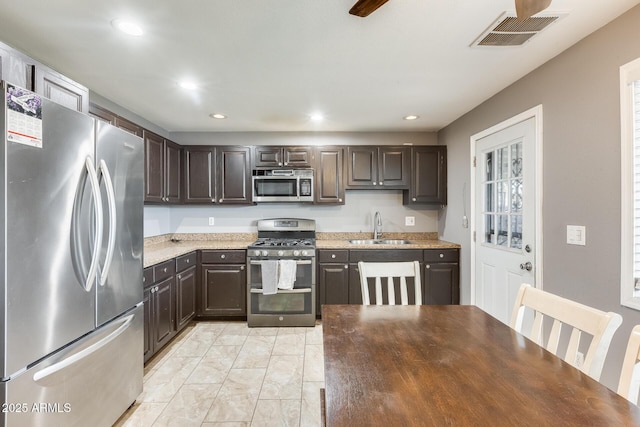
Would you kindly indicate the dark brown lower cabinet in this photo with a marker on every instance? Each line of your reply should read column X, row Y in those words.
column 339, row 278
column 159, row 307
column 333, row 278
column 186, row 296
column 223, row 283
column 442, row 277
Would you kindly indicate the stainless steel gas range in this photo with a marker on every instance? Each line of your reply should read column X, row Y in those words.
column 281, row 274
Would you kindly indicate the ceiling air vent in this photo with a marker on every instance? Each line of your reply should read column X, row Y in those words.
column 507, row 30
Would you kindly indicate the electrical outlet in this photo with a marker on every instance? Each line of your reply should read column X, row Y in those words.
column 577, row 235
column 211, row 221
column 410, row 221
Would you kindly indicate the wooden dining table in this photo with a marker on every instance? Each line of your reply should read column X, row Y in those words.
column 452, row 366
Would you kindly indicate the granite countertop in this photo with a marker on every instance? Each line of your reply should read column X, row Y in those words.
column 162, row 248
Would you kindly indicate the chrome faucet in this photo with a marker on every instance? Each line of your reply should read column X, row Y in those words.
column 377, row 226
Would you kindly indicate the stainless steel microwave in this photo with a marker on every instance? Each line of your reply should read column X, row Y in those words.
column 283, row 185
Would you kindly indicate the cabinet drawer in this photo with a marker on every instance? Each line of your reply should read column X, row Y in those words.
column 441, row 255
column 185, row 261
column 224, row 257
column 333, row 255
column 163, row 270
column 147, row 277
column 385, row 255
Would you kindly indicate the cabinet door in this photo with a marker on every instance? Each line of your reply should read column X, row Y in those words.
column 61, row 90
column 199, row 178
column 333, row 281
column 428, row 176
column 329, row 181
column 362, row 167
column 16, row 68
column 224, row 290
column 102, row 114
column 267, row 156
column 233, row 169
column 164, row 306
column 393, row 167
column 299, row 157
column 186, row 296
column 153, row 167
column 129, row 126
column 173, row 160
column 148, row 324
column 441, row 283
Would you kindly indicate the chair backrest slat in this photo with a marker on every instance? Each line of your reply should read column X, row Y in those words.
column 629, row 385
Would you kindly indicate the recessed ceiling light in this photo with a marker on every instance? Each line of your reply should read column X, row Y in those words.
column 217, row 116
column 317, row 117
column 188, row 85
column 411, row 117
column 127, row 27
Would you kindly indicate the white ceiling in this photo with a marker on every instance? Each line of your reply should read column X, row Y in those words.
column 269, row 64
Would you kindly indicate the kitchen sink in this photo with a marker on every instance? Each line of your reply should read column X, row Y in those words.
column 379, row 242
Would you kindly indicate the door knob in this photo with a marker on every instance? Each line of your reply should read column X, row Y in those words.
column 526, row 266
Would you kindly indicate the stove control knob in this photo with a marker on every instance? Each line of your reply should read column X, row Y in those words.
column 296, row 253
column 304, row 253
column 280, row 253
column 265, row 253
column 257, row 253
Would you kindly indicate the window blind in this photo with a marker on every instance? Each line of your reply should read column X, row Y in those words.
column 636, row 181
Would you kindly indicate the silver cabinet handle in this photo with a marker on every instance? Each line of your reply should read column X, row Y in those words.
column 84, row 353
column 113, row 221
column 333, row 256
column 164, row 270
column 340, row 200
column 427, row 266
column 414, row 199
column 441, row 255
column 375, row 183
column 242, row 267
column 188, row 261
column 223, row 256
column 380, row 182
column 179, row 276
column 213, row 200
column 220, row 201
column 346, row 266
column 95, row 188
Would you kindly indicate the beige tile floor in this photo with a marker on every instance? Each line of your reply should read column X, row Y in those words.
column 224, row 374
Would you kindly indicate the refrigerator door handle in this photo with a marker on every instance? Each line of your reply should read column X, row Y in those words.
column 111, row 200
column 57, row 367
column 95, row 188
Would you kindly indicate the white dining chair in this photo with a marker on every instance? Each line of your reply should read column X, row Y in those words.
column 390, row 271
column 581, row 318
column 629, row 384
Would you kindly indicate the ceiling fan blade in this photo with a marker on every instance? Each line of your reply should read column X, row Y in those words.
column 527, row 8
column 365, row 7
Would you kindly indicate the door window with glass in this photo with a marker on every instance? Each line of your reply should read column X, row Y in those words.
column 503, row 196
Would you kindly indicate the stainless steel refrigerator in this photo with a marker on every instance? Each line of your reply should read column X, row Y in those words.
column 71, row 207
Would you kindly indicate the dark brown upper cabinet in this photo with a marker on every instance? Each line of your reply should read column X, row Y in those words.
column 162, row 161
column 374, row 167
column 101, row 114
column 329, row 177
column 286, row 157
column 129, row 126
column 199, row 174
column 233, row 174
column 428, row 176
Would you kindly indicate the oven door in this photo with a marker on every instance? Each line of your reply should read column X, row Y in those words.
column 275, row 189
column 290, row 307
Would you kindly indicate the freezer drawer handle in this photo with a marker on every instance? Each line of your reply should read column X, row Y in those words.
column 95, row 188
column 50, row 370
column 111, row 200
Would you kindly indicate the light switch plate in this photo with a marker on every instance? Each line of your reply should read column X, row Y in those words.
column 576, row 235
column 212, row 220
column 410, row 220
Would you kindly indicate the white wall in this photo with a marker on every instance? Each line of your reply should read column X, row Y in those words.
column 355, row 215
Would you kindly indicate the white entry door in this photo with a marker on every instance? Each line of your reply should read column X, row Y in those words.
column 505, row 216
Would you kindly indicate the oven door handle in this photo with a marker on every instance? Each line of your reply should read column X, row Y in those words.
column 284, row 291
column 298, row 262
